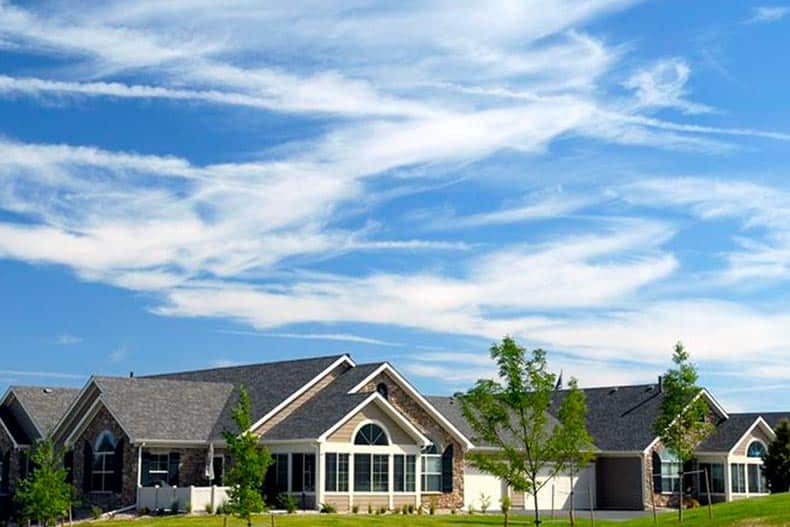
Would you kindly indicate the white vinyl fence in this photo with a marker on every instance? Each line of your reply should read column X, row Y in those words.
column 193, row 499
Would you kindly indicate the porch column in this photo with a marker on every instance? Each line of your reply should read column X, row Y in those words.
column 418, row 479
column 391, row 479
column 319, row 475
column 350, row 481
column 727, row 480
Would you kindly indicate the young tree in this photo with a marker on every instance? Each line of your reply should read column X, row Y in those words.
column 682, row 422
column 776, row 462
column 249, row 464
column 45, row 495
column 574, row 443
column 512, row 415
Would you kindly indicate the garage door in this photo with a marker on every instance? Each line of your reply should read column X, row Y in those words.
column 558, row 490
column 477, row 485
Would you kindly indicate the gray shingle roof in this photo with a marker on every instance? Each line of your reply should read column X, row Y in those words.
column 164, row 409
column 618, row 418
column 320, row 413
column 45, row 405
column 450, row 408
column 268, row 384
column 730, row 431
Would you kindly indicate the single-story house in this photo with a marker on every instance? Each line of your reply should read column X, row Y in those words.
column 349, row 435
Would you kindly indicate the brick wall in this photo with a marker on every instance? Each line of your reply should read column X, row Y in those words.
column 431, row 428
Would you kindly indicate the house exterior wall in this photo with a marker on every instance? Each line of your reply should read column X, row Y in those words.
column 303, row 398
column 421, row 419
column 7, row 447
column 371, row 412
column 103, row 420
column 619, row 483
column 757, row 434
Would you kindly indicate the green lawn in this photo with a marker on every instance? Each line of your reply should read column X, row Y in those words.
column 761, row 512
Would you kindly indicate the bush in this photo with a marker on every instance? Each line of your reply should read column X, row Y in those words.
column 432, row 506
column 370, row 508
column 174, row 507
column 485, row 502
column 328, row 508
column 411, row 508
column 145, row 511
column 355, row 509
column 288, row 503
column 209, row 509
column 382, row 510
column 691, row 503
column 96, row 512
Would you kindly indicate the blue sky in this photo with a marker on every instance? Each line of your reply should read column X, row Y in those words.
column 186, row 185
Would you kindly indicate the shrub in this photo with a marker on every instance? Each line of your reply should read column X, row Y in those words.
column 174, row 507
column 209, row 509
column 485, row 502
column 690, row 503
column 370, row 508
column 288, row 503
column 355, row 509
column 328, row 508
column 411, row 508
column 96, row 512
column 382, row 510
column 145, row 511
column 432, row 506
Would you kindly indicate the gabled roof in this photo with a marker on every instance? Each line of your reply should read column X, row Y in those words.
column 268, row 384
column 322, row 412
column 730, row 432
column 154, row 409
column 44, row 405
column 774, row 418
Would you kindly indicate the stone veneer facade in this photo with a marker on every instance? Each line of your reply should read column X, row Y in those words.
column 406, row 404
column 102, row 421
column 7, row 446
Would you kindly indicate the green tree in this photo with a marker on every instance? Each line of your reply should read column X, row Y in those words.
column 44, row 495
column 574, row 442
column 249, row 464
column 682, row 422
column 776, row 462
column 513, row 416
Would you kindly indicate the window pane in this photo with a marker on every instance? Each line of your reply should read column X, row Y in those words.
column 362, row 472
column 342, row 473
column 432, row 483
column 738, row 478
column 281, row 474
column 411, row 462
column 309, row 473
column 297, row 472
column 330, row 481
column 381, row 471
column 398, row 473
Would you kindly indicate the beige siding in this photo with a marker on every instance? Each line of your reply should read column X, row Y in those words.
column 742, row 447
column 516, row 499
column 340, row 501
column 374, row 501
column 399, row 500
column 299, row 401
column 371, row 412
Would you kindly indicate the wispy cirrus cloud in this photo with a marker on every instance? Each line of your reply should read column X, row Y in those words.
column 768, row 13
column 341, row 337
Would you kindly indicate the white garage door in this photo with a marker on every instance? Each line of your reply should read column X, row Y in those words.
column 478, row 484
column 560, row 487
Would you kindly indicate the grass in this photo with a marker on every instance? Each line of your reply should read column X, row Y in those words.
column 771, row 511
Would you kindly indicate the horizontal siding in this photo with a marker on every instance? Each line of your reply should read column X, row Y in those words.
column 371, row 413
column 339, row 501
column 743, row 446
column 517, row 499
column 399, row 500
column 374, row 501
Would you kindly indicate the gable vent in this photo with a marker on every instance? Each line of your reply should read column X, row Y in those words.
column 47, row 390
column 613, row 390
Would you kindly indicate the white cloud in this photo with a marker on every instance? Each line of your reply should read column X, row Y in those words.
column 41, row 374
column 119, row 354
column 771, row 13
column 342, row 337
column 66, row 339
column 663, row 85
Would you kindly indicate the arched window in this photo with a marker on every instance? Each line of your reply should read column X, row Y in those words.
column 756, row 449
column 103, row 463
column 382, row 389
column 371, row 434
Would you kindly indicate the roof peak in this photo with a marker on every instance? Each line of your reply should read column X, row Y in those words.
column 242, row 366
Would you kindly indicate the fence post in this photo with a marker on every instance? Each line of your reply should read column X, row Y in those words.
column 707, row 490
column 592, row 505
column 552, row 501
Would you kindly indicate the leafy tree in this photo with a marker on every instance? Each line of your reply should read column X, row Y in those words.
column 574, row 442
column 512, row 415
column 45, row 495
column 682, row 422
column 250, row 463
column 776, row 462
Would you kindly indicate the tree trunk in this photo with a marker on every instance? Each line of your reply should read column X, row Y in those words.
column 571, row 515
column 537, row 512
column 680, row 501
